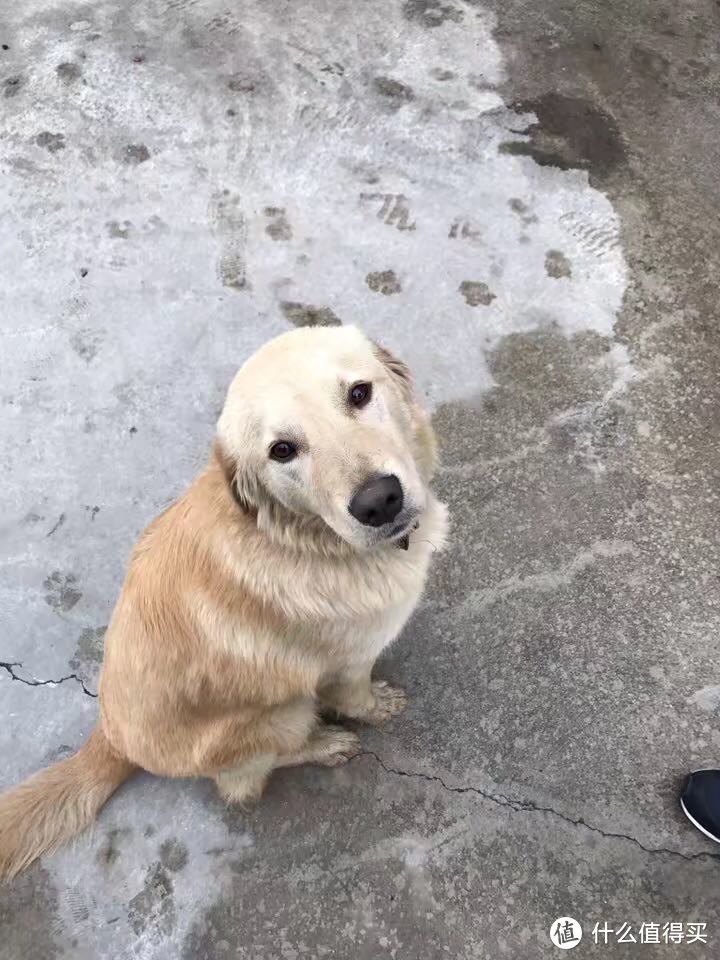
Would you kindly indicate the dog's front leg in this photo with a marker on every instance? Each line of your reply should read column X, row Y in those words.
column 352, row 693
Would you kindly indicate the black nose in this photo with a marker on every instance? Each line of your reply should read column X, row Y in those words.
column 378, row 501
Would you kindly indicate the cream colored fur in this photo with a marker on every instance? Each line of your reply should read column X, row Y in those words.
column 256, row 600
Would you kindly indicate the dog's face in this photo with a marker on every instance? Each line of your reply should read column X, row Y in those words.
column 324, row 422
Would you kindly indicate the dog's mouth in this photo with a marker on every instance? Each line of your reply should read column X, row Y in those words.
column 400, row 534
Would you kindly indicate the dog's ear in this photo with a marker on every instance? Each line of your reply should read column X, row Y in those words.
column 239, row 487
column 399, row 371
column 426, row 451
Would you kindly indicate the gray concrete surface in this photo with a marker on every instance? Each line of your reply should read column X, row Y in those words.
column 521, row 200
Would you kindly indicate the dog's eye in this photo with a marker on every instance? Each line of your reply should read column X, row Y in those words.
column 360, row 394
column 283, row 451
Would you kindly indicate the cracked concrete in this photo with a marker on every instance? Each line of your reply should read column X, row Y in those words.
column 522, row 201
column 33, row 682
column 528, row 806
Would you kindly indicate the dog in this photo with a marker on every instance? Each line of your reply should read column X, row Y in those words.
column 260, row 600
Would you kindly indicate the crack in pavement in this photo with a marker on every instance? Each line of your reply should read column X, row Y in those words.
column 500, row 800
column 528, row 806
column 44, row 683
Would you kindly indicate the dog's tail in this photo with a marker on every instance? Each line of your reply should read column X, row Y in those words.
column 55, row 804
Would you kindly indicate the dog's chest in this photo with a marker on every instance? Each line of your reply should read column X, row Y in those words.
column 400, row 581
column 364, row 640
column 335, row 612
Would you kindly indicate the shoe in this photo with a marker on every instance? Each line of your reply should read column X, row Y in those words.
column 700, row 801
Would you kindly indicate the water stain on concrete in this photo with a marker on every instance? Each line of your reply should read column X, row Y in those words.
column 365, row 172
column 430, row 13
column 278, row 228
column 440, row 73
column 89, row 649
column 154, row 224
column 126, row 393
column 174, row 854
column 557, row 264
column 111, row 847
column 570, row 133
column 229, row 225
column 117, row 230
column 651, row 64
column 242, row 83
column 548, row 388
column 29, row 918
column 152, row 911
column 522, row 209
column 62, row 593
column 383, row 281
column 24, row 167
column 476, row 293
column 133, row 154
column 394, row 209
column 393, row 93
column 68, row 72
column 307, row 315
column 479, row 82
column 51, row 141
column 12, row 86
column 464, row 229
column 86, row 344
column 540, row 373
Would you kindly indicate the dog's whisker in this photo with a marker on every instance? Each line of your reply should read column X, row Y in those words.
column 435, row 548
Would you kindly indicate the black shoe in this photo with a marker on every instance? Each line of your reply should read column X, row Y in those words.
column 700, row 801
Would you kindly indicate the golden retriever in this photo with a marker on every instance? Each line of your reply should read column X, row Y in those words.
column 262, row 597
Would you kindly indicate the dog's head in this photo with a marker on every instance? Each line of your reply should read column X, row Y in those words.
column 322, row 422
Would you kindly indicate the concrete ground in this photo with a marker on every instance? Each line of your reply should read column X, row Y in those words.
column 520, row 199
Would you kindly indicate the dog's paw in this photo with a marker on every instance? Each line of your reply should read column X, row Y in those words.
column 332, row 746
column 244, row 797
column 389, row 702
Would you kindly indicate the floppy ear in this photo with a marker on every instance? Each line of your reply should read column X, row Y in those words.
column 426, row 452
column 241, row 487
column 398, row 370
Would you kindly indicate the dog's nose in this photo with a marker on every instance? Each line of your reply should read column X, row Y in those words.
column 378, row 501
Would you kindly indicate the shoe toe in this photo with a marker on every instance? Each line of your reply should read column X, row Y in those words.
column 700, row 801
